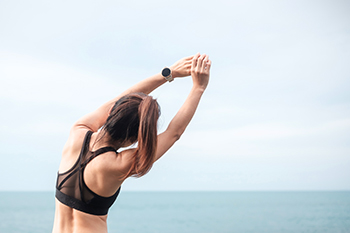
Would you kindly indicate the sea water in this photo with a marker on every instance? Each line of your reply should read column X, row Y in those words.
column 202, row 212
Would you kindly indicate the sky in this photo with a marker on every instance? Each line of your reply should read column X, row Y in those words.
column 275, row 115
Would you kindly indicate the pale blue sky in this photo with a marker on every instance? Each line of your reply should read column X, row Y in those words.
column 276, row 114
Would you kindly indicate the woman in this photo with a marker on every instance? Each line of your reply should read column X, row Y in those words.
column 92, row 171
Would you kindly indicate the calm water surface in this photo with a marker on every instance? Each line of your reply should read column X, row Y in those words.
column 204, row 212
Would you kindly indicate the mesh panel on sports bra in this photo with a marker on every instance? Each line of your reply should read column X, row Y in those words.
column 72, row 190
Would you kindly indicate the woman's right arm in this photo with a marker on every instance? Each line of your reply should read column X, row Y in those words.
column 94, row 120
column 200, row 75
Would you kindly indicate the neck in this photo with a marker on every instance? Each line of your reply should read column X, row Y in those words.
column 101, row 139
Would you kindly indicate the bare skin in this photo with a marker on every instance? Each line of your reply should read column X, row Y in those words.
column 103, row 175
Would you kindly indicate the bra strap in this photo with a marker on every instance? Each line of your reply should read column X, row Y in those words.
column 86, row 144
column 99, row 152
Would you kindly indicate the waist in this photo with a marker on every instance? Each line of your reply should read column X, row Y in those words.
column 68, row 219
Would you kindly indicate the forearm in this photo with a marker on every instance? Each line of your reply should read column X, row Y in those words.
column 200, row 76
column 147, row 85
column 183, row 117
column 200, row 68
column 96, row 119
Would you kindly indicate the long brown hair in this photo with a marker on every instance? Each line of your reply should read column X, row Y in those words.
column 134, row 118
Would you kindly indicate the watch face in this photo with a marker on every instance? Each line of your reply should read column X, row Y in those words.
column 166, row 72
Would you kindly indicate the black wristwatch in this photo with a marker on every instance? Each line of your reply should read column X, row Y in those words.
column 166, row 72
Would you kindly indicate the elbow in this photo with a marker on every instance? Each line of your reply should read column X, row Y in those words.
column 174, row 134
column 177, row 137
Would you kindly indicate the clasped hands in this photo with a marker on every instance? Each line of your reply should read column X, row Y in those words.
column 198, row 66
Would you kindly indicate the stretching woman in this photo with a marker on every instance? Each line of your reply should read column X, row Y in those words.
column 92, row 171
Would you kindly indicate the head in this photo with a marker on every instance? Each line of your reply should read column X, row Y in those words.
column 134, row 118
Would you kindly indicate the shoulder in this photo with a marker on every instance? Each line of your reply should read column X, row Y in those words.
column 71, row 149
column 116, row 164
column 75, row 139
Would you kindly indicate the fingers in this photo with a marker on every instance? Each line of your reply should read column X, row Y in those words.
column 200, row 62
column 194, row 60
column 189, row 58
column 207, row 68
column 209, row 64
column 204, row 64
column 188, row 70
column 189, row 62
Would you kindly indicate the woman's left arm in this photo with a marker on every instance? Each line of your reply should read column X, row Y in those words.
column 96, row 119
column 179, row 69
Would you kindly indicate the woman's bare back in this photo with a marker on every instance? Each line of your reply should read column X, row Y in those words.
column 97, row 179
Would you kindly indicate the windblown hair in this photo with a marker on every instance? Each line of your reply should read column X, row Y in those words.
column 134, row 118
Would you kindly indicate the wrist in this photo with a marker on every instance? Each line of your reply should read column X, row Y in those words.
column 167, row 74
column 173, row 72
column 198, row 89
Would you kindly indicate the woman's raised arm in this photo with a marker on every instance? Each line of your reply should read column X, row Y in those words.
column 200, row 74
column 95, row 120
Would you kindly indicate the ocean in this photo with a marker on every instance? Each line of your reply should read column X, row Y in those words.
column 202, row 212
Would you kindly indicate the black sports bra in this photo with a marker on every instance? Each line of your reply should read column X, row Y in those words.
column 71, row 189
